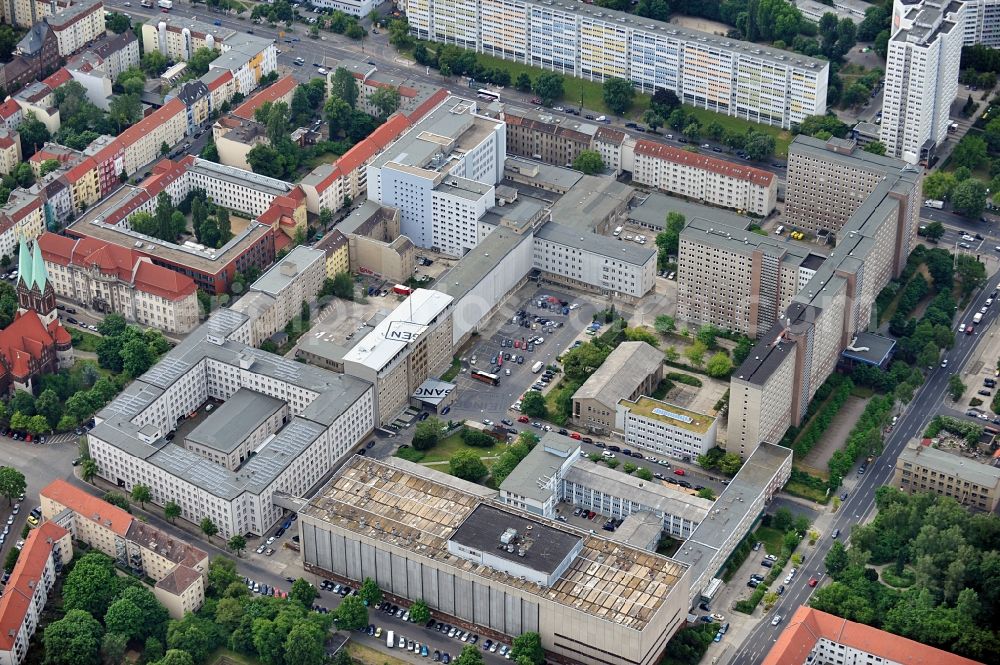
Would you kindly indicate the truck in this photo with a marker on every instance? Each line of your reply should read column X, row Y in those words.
column 929, row 203
column 390, row 640
column 537, row 367
column 399, row 288
column 978, row 317
column 165, row 4
column 146, row 3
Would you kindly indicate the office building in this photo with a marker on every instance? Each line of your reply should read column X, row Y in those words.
column 664, row 428
column 554, row 478
column 409, row 345
column 811, row 636
column 829, row 180
column 359, row 8
column 211, row 269
column 922, row 468
column 594, row 262
column 277, row 296
column 178, row 570
column 45, row 551
column 441, row 175
column 921, row 77
column 109, row 278
column 328, row 416
column 421, row 534
column 733, row 278
column 633, row 369
column 375, row 245
column 705, row 178
column 750, row 81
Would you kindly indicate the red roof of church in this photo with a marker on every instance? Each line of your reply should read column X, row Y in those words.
column 26, row 339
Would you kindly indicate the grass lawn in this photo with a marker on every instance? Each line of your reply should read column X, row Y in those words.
column 450, row 445
column 84, row 341
column 889, row 577
column 452, row 372
column 227, row 657
column 781, row 137
column 773, row 539
column 323, row 158
column 368, row 656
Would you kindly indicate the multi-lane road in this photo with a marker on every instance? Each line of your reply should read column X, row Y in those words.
column 860, row 503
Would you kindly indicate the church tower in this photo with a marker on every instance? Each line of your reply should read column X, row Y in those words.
column 34, row 289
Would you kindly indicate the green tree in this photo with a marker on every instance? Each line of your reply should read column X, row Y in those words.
column 759, row 146
column 549, row 87
column 419, row 612
column 237, row 544
column 719, row 365
column 370, row 592
column 664, row 324
column 668, row 240
column 782, row 520
column 466, row 465
column 696, row 353
column 153, row 63
column 73, row 640
column 523, row 82
column 171, row 511
column 955, row 387
column 125, row 110
column 934, row 230
column 618, row 95
column 427, row 434
column 529, row 646
column 638, row 334
column 113, row 647
column 176, row 657
column 533, row 405
column 49, row 405
column 303, row 592
column 48, row 166
column 11, row 559
column 344, row 86
column 193, row 634
column 305, row 644
column 112, row 325
column 970, row 152
column 141, row 493
column 221, row 575
column 938, row 185
column 589, row 162
column 469, row 656
column 91, row 585
column 136, row 357
column 385, row 101
column 208, row 528
column 730, row 463
column 968, row 198
column 707, row 493
column 12, row 483
column 351, row 614
column 836, row 560
column 972, row 274
column 875, row 147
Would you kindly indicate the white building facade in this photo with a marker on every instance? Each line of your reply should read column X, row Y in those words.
column 664, row 428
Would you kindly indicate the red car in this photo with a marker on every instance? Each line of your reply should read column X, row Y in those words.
column 574, row 435
column 680, row 472
column 523, row 419
column 968, row 331
column 813, row 581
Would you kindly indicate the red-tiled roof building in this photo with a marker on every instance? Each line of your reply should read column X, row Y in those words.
column 34, row 343
column 705, row 178
column 45, row 551
column 111, row 278
column 817, row 637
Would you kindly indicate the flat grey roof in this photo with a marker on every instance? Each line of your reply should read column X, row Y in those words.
column 653, row 495
column 234, row 421
column 765, row 357
column 437, row 132
column 590, row 201
column 944, row 462
column 480, row 261
column 627, row 252
column 558, row 176
column 545, row 548
column 710, row 232
column 281, row 275
column 542, row 463
column 869, row 348
column 241, row 178
column 731, row 507
column 652, row 210
column 621, row 373
column 858, row 158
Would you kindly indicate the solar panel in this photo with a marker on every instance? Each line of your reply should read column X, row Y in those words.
column 676, row 416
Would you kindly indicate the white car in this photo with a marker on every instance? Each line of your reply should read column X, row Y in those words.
column 788, row 579
column 776, row 620
column 271, row 540
column 967, row 237
column 321, row 71
column 989, row 301
column 607, row 454
column 260, row 550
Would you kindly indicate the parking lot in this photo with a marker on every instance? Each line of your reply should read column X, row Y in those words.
column 476, row 399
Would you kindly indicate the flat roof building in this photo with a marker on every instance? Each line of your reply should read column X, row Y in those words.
column 665, row 428
column 921, row 467
column 631, row 370
column 592, row 600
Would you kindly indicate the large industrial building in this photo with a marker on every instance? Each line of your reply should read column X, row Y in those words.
column 327, row 416
column 750, row 81
column 421, row 534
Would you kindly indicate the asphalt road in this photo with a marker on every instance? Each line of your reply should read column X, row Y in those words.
column 860, row 503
